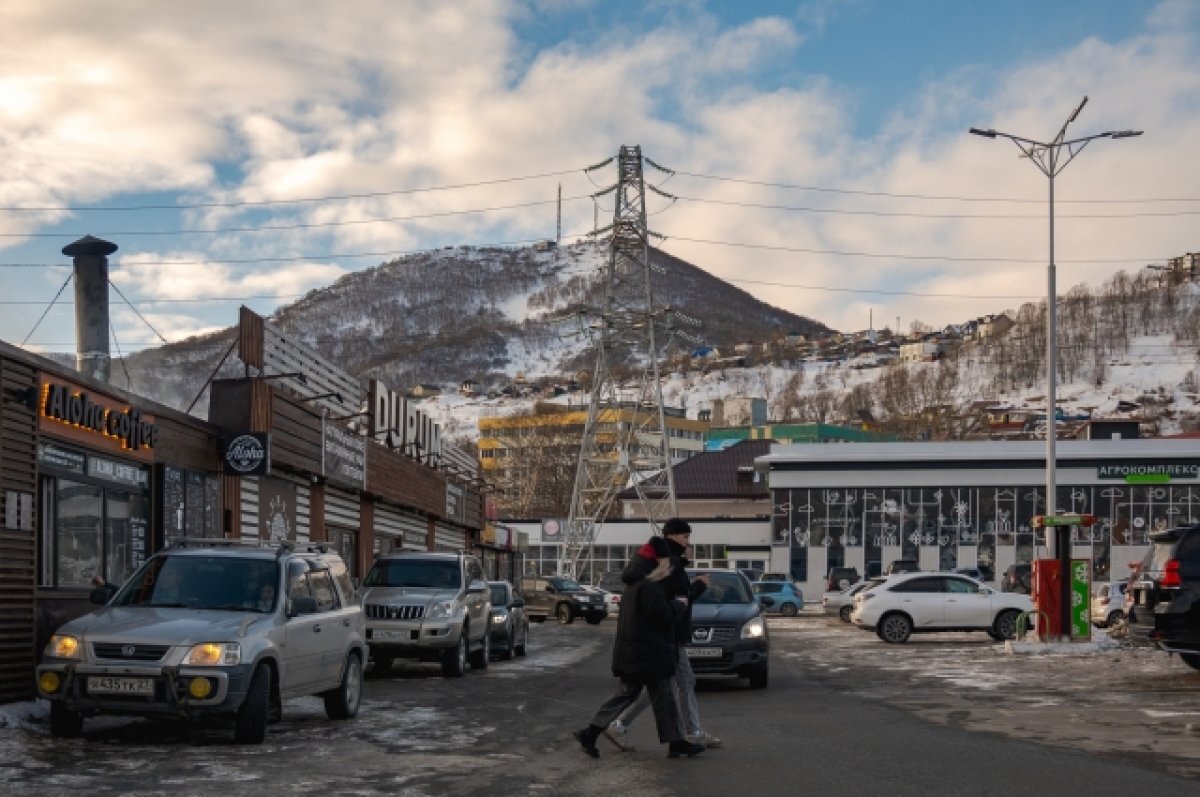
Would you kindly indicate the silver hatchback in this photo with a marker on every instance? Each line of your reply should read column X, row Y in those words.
column 1108, row 604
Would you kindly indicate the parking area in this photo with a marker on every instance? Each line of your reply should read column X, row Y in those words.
column 1105, row 696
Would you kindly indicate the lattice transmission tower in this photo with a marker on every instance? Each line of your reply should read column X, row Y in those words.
column 625, row 442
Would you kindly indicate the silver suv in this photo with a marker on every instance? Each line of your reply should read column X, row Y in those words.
column 428, row 606
column 212, row 627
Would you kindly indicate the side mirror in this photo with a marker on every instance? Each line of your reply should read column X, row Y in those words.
column 477, row 586
column 356, row 582
column 765, row 601
column 102, row 595
column 550, row 589
column 303, row 604
column 517, row 604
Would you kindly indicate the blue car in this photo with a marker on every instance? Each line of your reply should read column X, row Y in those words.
column 779, row 596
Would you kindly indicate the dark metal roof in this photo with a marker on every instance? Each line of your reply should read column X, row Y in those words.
column 728, row 473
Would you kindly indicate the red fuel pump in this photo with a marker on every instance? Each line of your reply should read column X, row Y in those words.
column 1047, row 597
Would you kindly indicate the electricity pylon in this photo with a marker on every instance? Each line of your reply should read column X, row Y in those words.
column 625, row 442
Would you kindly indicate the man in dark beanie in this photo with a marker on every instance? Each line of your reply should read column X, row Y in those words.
column 644, row 654
column 678, row 534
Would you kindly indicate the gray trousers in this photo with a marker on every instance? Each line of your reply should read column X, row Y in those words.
column 684, row 684
column 666, row 716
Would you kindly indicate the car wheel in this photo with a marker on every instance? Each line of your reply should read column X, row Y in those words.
column 1005, row 626
column 788, row 610
column 342, row 703
column 511, row 646
column 523, row 648
column 252, row 715
column 564, row 614
column 454, row 660
column 595, row 619
column 894, row 628
column 479, row 659
column 760, row 678
column 1191, row 659
column 65, row 722
column 845, row 613
column 1115, row 619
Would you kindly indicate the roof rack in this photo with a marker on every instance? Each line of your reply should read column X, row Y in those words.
column 174, row 543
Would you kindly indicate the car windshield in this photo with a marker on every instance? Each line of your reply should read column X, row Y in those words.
column 760, row 587
column 203, row 582
column 725, row 588
column 423, row 573
column 565, row 584
column 499, row 595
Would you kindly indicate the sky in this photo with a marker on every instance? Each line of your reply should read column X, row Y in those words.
column 818, row 151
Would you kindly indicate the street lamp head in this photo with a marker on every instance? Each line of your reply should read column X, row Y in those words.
column 985, row 133
column 1125, row 133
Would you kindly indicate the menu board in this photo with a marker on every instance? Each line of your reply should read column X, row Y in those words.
column 174, row 501
column 193, row 519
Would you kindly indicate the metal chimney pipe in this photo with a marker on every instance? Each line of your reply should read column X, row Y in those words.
column 91, row 305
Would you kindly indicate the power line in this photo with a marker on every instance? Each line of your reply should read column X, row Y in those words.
column 913, row 215
column 296, row 226
column 949, row 198
column 269, row 202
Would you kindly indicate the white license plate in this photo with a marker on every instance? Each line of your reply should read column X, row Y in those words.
column 387, row 635
column 99, row 685
column 703, row 653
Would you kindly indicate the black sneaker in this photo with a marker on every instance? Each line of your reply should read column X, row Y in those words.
column 684, row 747
column 587, row 740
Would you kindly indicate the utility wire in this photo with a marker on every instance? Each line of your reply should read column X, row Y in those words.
column 138, row 314
column 48, row 307
column 121, row 357
column 906, row 215
column 268, row 202
column 951, row 197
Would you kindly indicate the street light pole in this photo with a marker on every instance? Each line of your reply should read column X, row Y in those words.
column 1051, row 158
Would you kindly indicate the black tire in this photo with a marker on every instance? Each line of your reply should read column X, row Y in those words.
column 894, row 628
column 510, row 646
column 1005, row 626
column 595, row 619
column 479, row 658
column 845, row 612
column 454, row 660
column 252, row 715
column 1114, row 619
column 64, row 722
column 538, row 618
column 789, row 610
column 1191, row 659
column 523, row 648
column 342, row 703
column 760, row 678
column 564, row 614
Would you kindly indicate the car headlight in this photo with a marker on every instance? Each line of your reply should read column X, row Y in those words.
column 754, row 629
column 64, row 646
column 440, row 609
column 214, row 654
column 499, row 617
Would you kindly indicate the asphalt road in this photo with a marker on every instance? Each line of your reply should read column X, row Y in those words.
column 845, row 714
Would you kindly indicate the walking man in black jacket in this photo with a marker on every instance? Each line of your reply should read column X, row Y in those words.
column 644, row 653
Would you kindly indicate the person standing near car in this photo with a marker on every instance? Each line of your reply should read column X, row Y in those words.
column 678, row 535
column 644, row 654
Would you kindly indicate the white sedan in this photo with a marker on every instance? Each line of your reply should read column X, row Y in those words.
column 915, row 603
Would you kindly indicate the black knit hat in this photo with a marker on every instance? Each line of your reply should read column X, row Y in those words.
column 676, row 525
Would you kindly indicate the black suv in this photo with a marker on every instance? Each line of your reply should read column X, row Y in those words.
column 562, row 597
column 1165, row 607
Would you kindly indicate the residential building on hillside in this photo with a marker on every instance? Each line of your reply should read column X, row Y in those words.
column 927, row 349
column 531, row 458
column 739, row 412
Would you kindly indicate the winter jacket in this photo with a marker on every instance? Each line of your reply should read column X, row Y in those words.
column 678, row 584
column 645, row 647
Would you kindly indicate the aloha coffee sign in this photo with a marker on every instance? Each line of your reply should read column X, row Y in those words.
column 396, row 422
column 248, row 454
column 88, row 417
